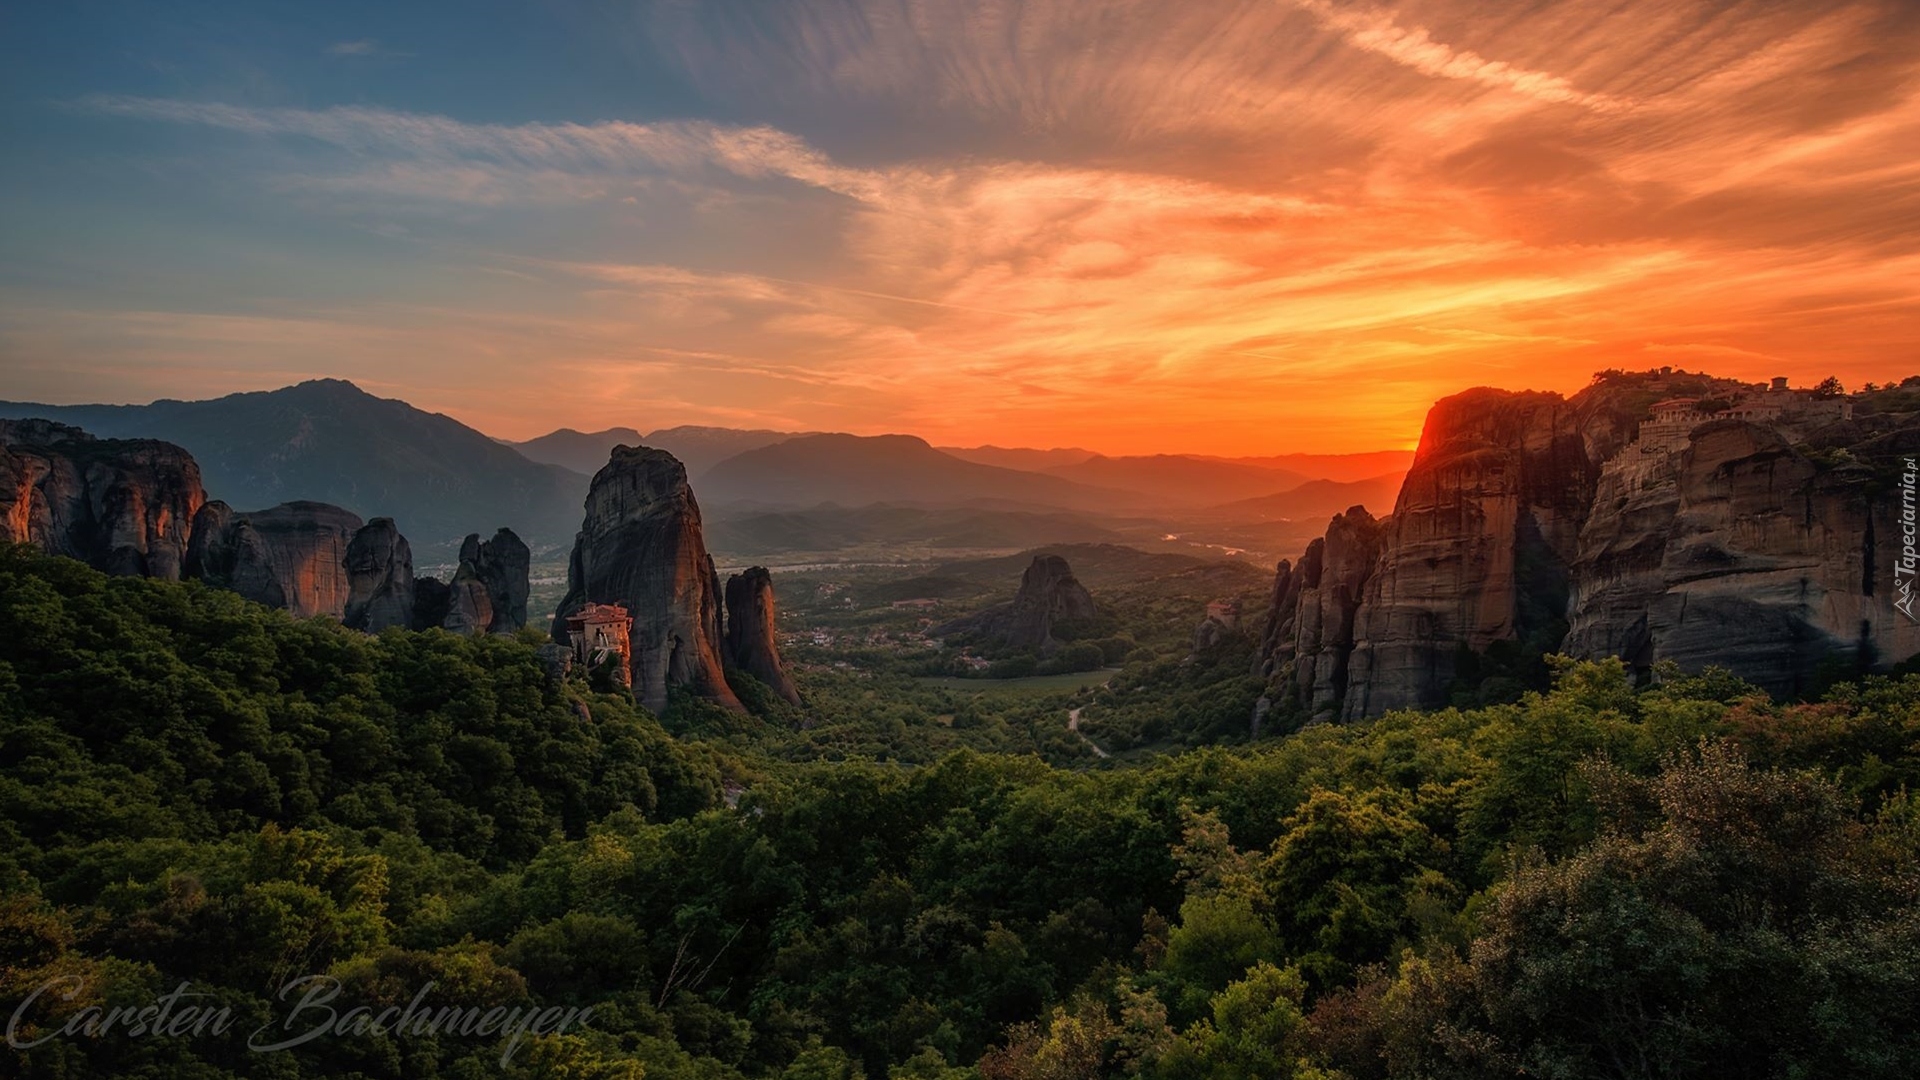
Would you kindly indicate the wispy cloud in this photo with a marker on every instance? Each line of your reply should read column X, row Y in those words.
column 1251, row 224
column 1414, row 47
column 615, row 146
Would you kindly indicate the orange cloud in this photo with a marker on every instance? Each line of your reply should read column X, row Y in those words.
column 1221, row 228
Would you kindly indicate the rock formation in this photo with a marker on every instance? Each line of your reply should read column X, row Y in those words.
column 380, row 588
column 750, row 631
column 640, row 546
column 136, row 506
column 1740, row 550
column 487, row 594
column 1308, row 639
column 1665, row 516
column 1048, row 593
column 1481, row 536
column 292, row 556
column 489, row 590
column 125, row 506
column 469, row 605
column 1221, row 623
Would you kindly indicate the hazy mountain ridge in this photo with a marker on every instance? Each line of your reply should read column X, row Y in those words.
column 858, row 470
column 830, row 528
column 1020, row 457
column 1341, row 468
column 329, row 441
column 1180, row 480
column 1315, row 498
column 698, row 447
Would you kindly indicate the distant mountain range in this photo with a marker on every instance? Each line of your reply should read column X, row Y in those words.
column 1019, row 457
column 698, row 448
column 767, row 491
column 1342, row 468
column 1314, row 499
column 856, row 470
column 330, row 441
column 1177, row 480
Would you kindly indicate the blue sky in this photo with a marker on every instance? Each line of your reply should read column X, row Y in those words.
column 1222, row 227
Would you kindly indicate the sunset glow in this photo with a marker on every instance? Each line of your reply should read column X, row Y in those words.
column 1226, row 228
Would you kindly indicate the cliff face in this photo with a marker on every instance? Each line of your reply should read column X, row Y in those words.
column 1308, row 641
column 488, row 593
column 1739, row 550
column 1736, row 526
column 136, row 506
column 641, row 546
column 380, row 588
column 125, row 506
column 291, row 556
column 750, row 631
column 1477, row 550
column 1048, row 593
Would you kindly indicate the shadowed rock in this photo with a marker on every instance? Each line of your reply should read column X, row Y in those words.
column 490, row 588
column 640, row 546
column 750, row 631
column 431, row 602
column 1048, row 594
column 380, row 586
column 469, row 606
column 1308, row 638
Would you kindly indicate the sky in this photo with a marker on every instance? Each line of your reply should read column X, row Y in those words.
column 1133, row 226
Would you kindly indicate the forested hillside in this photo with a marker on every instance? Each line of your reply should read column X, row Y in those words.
column 1596, row 881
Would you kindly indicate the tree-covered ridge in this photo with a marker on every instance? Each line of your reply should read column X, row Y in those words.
column 1595, row 881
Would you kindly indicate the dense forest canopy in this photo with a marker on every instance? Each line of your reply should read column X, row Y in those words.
column 1597, row 880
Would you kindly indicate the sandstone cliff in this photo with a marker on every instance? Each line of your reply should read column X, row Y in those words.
column 291, row 556
column 1658, row 517
column 750, row 631
column 488, row 593
column 1480, row 539
column 641, row 546
column 380, row 587
column 1048, row 594
column 125, row 506
column 1740, row 550
column 1308, row 639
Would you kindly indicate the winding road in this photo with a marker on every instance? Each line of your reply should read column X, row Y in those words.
column 1073, row 725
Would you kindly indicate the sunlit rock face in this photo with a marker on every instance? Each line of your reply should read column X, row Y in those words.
column 1477, row 549
column 1738, row 526
column 291, row 556
column 125, row 506
column 641, row 546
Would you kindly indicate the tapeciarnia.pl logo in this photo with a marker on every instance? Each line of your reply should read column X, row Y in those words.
column 1904, row 565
